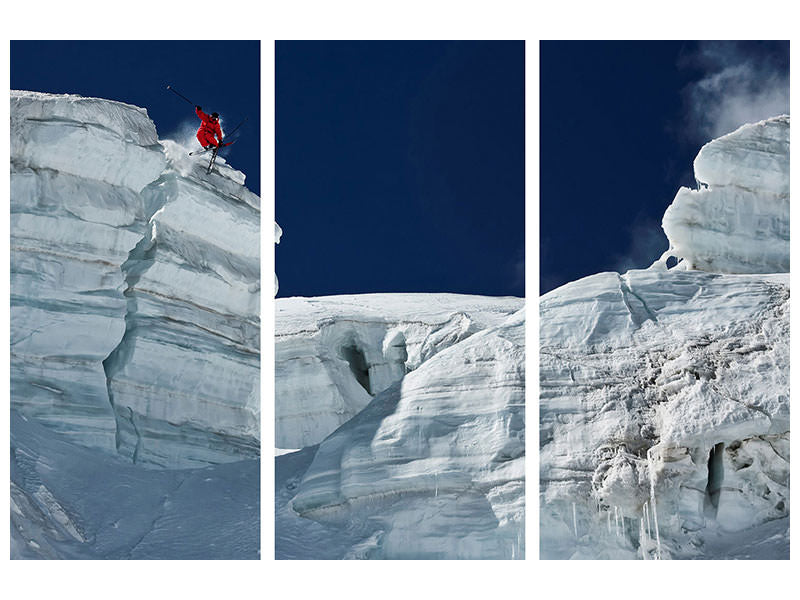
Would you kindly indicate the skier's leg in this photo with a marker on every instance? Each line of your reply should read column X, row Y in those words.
column 205, row 139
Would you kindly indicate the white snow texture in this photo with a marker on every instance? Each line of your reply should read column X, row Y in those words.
column 134, row 338
column 664, row 394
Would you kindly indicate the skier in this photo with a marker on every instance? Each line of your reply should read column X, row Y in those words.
column 209, row 128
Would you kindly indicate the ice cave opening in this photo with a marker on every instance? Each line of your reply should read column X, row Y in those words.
column 358, row 364
column 715, row 476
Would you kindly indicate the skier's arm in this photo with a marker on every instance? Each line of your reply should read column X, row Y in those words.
column 203, row 116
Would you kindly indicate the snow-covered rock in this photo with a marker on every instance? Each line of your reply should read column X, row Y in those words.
column 738, row 221
column 664, row 426
column 134, row 286
column 429, row 459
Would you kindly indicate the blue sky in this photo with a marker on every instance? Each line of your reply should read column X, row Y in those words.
column 400, row 167
column 620, row 124
column 223, row 77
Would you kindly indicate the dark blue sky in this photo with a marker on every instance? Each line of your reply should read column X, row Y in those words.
column 621, row 123
column 400, row 167
column 221, row 76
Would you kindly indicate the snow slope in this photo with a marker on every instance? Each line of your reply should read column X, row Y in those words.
column 664, row 425
column 134, row 290
column 427, row 391
column 68, row 501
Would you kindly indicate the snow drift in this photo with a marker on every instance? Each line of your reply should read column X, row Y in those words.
column 664, row 428
column 134, row 301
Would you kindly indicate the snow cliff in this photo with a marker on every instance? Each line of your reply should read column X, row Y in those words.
column 134, row 291
column 664, row 426
column 410, row 409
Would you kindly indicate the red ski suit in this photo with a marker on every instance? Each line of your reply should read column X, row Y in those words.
column 207, row 131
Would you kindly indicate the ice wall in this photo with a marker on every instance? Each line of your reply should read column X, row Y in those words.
column 664, row 394
column 334, row 354
column 433, row 466
column 134, row 286
column 642, row 376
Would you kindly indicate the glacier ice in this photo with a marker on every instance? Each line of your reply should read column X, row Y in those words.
column 134, row 297
column 409, row 409
column 334, row 354
column 664, row 393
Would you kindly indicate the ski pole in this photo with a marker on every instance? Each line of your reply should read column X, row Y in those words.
column 174, row 91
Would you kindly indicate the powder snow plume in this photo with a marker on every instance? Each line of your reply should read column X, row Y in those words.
column 741, row 82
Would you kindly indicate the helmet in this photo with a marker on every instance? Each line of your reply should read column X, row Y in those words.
column 215, row 115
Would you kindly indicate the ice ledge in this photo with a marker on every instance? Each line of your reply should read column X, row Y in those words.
column 129, row 122
column 96, row 139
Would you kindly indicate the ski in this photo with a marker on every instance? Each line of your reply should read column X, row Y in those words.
column 204, row 150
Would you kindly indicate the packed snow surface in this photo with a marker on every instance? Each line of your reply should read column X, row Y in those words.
column 68, row 501
column 410, row 412
column 664, row 394
column 134, row 304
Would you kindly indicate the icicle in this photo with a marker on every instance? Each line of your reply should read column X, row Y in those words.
column 651, row 466
column 616, row 521
column 574, row 520
column 647, row 519
column 608, row 518
column 622, row 520
column 642, row 539
column 436, row 480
